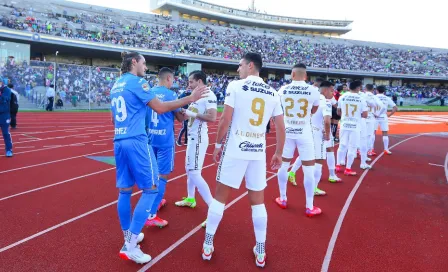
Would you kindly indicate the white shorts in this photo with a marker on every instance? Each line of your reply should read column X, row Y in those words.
column 363, row 129
column 350, row 138
column 305, row 146
column 331, row 142
column 231, row 172
column 320, row 148
column 195, row 154
column 371, row 128
column 384, row 124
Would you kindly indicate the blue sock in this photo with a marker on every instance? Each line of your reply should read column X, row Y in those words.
column 141, row 211
column 124, row 209
column 159, row 197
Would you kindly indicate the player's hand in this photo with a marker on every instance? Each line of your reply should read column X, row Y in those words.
column 276, row 161
column 217, row 154
column 199, row 92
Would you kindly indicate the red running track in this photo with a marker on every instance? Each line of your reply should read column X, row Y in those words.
column 397, row 214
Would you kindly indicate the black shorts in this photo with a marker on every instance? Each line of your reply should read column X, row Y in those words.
column 334, row 114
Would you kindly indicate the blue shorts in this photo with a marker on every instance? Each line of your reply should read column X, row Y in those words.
column 135, row 163
column 165, row 159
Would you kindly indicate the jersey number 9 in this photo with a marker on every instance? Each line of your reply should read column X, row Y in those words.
column 120, row 108
column 258, row 109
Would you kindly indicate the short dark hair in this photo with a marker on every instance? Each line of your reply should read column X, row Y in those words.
column 326, row 84
column 369, row 87
column 164, row 71
column 319, row 79
column 339, row 88
column 255, row 58
column 51, row 85
column 299, row 65
column 199, row 75
column 381, row 89
column 10, row 85
column 126, row 62
column 345, row 84
column 355, row 84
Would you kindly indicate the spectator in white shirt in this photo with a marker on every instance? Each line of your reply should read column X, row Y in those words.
column 50, row 97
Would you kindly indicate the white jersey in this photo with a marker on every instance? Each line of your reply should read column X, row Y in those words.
column 317, row 119
column 376, row 107
column 387, row 103
column 352, row 105
column 298, row 98
column 195, row 126
column 254, row 103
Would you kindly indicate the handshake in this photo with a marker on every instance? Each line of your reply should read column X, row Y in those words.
column 188, row 113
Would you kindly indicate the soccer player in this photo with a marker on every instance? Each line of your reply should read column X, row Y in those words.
column 200, row 113
column 298, row 161
column 351, row 107
column 334, row 112
column 376, row 108
column 5, row 116
column 320, row 122
column 160, row 128
column 248, row 106
column 383, row 118
column 184, row 129
column 299, row 100
column 134, row 159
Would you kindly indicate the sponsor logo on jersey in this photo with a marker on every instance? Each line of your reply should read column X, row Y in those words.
column 294, row 130
column 247, row 146
column 145, row 86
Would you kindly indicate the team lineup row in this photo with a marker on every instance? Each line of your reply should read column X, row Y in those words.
column 144, row 146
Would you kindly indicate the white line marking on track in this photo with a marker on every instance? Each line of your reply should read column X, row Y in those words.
column 433, row 164
column 50, row 162
column 188, row 235
column 24, row 147
column 57, row 183
column 31, row 136
column 99, row 144
column 52, row 146
column 337, row 228
column 59, row 137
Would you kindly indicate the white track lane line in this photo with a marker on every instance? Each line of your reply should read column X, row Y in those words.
column 61, row 130
column 60, row 137
column 55, row 161
column 433, row 164
column 337, row 228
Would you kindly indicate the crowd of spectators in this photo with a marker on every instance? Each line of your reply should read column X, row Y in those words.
column 228, row 42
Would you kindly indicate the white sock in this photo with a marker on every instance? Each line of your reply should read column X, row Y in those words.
column 203, row 189
column 308, row 184
column 363, row 151
column 317, row 174
column 351, row 155
column 260, row 220
column 371, row 141
column 283, row 179
column 191, row 189
column 386, row 142
column 214, row 216
column 296, row 165
column 331, row 163
column 342, row 154
column 130, row 240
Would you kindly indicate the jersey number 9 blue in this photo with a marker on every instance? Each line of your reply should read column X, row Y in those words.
column 120, row 108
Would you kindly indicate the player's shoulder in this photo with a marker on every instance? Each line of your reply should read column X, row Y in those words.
column 211, row 97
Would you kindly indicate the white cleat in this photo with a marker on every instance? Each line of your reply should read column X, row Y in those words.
column 366, row 166
column 334, row 179
column 140, row 237
column 260, row 259
column 369, row 159
column 207, row 252
column 135, row 255
column 387, row 152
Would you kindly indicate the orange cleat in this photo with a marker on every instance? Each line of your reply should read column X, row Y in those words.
column 349, row 172
column 282, row 203
column 313, row 212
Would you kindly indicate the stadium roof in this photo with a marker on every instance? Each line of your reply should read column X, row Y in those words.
column 207, row 11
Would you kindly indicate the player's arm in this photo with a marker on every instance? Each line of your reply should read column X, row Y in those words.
column 209, row 115
column 316, row 103
column 339, row 111
column 365, row 109
column 394, row 108
column 162, row 107
column 381, row 108
column 280, row 133
column 180, row 116
column 327, row 120
column 224, row 124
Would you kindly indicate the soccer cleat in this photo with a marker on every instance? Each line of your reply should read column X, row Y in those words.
column 186, row 202
column 369, row 159
column 313, row 212
column 9, row 153
column 135, row 255
column 339, row 168
column 319, row 192
column 162, row 204
column 334, row 179
column 366, row 166
column 372, row 152
column 260, row 259
column 207, row 252
column 204, row 224
column 282, row 203
column 292, row 178
column 156, row 222
column 349, row 172
column 387, row 152
column 140, row 237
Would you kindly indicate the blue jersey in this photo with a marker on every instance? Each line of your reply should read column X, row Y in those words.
column 129, row 97
column 161, row 126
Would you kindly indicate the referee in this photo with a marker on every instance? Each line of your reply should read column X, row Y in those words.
column 184, row 129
